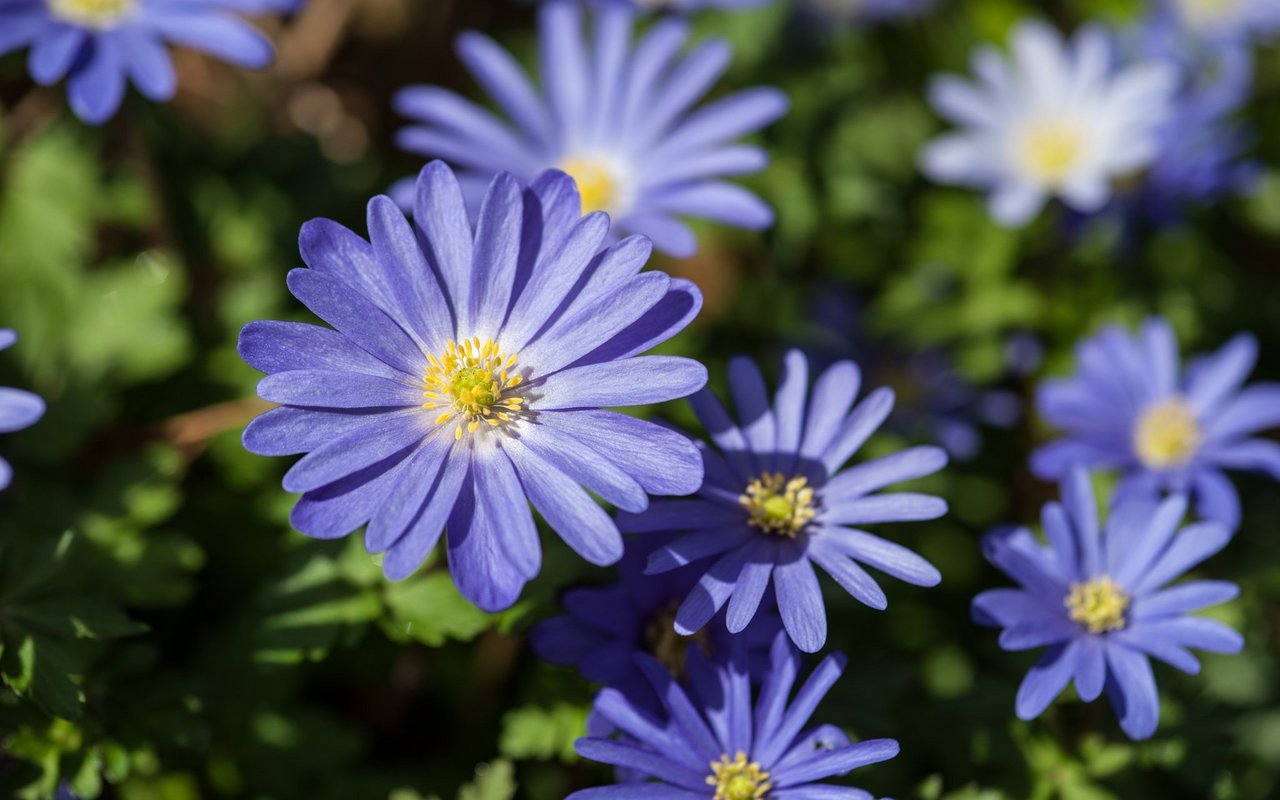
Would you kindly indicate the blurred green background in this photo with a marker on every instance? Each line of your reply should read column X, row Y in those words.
column 164, row 635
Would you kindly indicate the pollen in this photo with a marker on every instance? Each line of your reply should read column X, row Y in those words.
column 1049, row 151
column 779, row 506
column 473, row 385
column 1167, row 434
column 738, row 779
column 1098, row 604
column 597, row 180
column 92, row 13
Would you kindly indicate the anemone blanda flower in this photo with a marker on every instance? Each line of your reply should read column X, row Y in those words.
column 468, row 372
column 605, row 626
column 1226, row 21
column 18, row 409
column 100, row 45
column 1131, row 407
column 775, row 502
column 617, row 118
column 714, row 743
column 1060, row 120
column 1097, row 596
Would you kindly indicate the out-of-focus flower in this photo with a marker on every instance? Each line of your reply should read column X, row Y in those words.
column 100, row 45
column 1060, row 120
column 1226, row 20
column 605, row 626
column 467, row 377
column 1130, row 407
column 18, row 410
column 619, row 119
column 775, row 501
column 1098, row 598
column 713, row 742
column 682, row 6
column 867, row 11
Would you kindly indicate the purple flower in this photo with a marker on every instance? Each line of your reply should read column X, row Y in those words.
column 465, row 377
column 1131, row 408
column 775, row 501
column 18, row 410
column 1219, row 21
column 605, row 626
column 1097, row 596
column 714, row 743
column 617, row 118
column 98, row 45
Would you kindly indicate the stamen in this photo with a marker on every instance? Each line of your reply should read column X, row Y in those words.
column 473, row 381
column 1098, row 604
column 738, row 779
column 1167, row 434
column 1049, row 150
column 597, row 180
column 779, row 506
column 92, row 13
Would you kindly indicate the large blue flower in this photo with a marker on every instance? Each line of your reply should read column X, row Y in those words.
column 616, row 118
column 1130, row 407
column 1097, row 596
column 18, row 409
column 713, row 743
column 468, row 372
column 775, row 501
column 99, row 45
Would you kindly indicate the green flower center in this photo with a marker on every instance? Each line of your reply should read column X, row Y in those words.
column 779, row 506
column 473, row 384
column 1098, row 604
column 738, row 779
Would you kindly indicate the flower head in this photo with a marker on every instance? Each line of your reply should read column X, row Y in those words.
column 1131, row 407
column 18, row 410
column 618, row 119
column 99, row 45
column 712, row 741
column 604, row 627
column 1060, row 120
column 1226, row 21
column 465, row 376
column 1097, row 596
column 776, row 501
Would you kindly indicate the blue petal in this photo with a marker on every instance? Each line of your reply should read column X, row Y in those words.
column 1045, row 681
column 1133, row 692
column 800, row 603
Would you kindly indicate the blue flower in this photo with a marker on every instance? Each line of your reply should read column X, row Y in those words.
column 98, row 45
column 1224, row 21
column 1131, row 408
column 18, row 410
column 466, row 373
column 620, row 120
column 1097, row 596
column 605, row 626
column 713, row 743
column 1060, row 119
column 775, row 502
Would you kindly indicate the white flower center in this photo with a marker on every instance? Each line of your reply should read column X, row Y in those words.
column 1167, row 434
column 601, row 183
column 92, row 13
column 1050, row 150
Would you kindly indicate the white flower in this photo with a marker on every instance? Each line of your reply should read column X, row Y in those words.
column 1057, row 120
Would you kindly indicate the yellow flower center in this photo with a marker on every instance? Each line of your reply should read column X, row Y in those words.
column 668, row 646
column 1167, row 434
column 1049, row 151
column 474, row 385
column 738, row 779
column 779, row 506
column 92, row 13
column 597, row 181
column 1098, row 604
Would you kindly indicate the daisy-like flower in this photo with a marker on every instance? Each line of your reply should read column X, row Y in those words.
column 18, row 409
column 775, row 502
column 1060, row 120
column 713, row 742
column 605, row 626
column 617, row 118
column 1098, row 597
column 465, row 376
column 100, row 45
column 1130, row 407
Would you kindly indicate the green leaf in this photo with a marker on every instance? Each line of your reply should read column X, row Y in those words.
column 494, row 781
column 428, row 609
column 543, row 734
